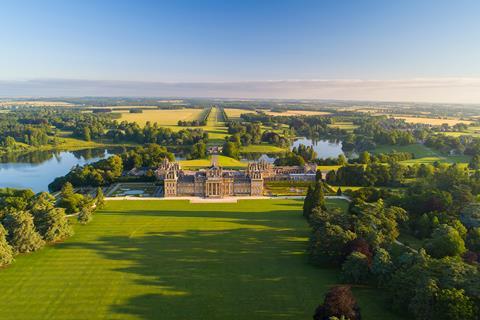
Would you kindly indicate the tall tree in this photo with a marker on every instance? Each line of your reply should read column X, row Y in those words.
column 54, row 225
column 21, row 232
column 70, row 200
column 99, row 199
column 86, row 134
column 318, row 197
column 85, row 215
column 6, row 252
column 364, row 157
column 307, row 203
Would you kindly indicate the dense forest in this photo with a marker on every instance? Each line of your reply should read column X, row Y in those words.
column 440, row 278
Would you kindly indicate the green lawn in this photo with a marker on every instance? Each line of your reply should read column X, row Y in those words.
column 175, row 260
column 262, row 148
column 471, row 131
column 349, row 126
column 422, row 154
column 223, row 161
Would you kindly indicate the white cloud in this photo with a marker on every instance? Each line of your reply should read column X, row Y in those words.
column 448, row 90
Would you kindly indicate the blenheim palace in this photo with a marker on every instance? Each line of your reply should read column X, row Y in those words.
column 216, row 182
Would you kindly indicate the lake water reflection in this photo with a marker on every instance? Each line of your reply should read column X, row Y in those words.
column 323, row 148
column 36, row 170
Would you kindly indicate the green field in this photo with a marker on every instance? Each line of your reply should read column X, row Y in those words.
column 223, row 161
column 422, row 154
column 349, row 126
column 175, row 260
column 471, row 131
column 262, row 148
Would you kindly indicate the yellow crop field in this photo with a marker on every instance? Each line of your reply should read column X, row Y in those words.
column 298, row 113
column 162, row 117
column 125, row 107
column 233, row 113
column 35, row 103
column 432, row 121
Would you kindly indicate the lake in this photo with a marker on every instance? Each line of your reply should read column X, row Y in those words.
column 36, row 170
column 323, row 148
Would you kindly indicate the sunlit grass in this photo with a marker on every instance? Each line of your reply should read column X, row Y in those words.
column 175, row 260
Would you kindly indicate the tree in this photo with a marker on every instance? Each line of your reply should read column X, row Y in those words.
column 230, row 150
column 382, row 266
column 359, row 245
column 307, row 203
column 339, row 302
column 474, row 163
column 99, row 199
column 356, row 268
column 454, row 304
column 69, row 199
column 328, row 242
column 54, row 225
column 364, row 157
column 86, row 134
column 422, row 302
column 198, row 151
column 22, row 235
column 470, row 215
column 341, row 160
column 6, row 252
column 339, row 192
column 42, row 203
column 473, row 239
column 10, row 143
column 67, row 190
column 318, row 197
column 85, row 215
column 445, row 241
column 377, row 223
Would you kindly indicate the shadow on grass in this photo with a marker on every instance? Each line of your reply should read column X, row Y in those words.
column 240, row 265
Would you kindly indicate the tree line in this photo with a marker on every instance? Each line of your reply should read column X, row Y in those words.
column 107, row 171
column 29, row 221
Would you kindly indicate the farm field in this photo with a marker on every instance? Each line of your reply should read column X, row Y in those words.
column 162, row 117
column 297, row 113
column 432, row 121
column 422, row 154
column 175, row 260
column 35, row 103
column 235, row 114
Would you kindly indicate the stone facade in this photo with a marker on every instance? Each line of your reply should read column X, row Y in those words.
column 216, row 182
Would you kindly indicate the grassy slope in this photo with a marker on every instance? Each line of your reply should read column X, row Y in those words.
column 423, row 154
column 174, row 260
column 223, row 161
column 262, row 148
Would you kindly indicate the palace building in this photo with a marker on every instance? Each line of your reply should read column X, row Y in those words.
column 216, row 182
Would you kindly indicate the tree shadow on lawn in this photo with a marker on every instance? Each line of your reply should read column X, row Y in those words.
column 253, row 268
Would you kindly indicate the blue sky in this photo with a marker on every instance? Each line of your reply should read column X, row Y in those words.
column 229, row 41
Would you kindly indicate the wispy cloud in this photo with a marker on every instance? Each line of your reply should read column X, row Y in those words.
column 451, row 90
